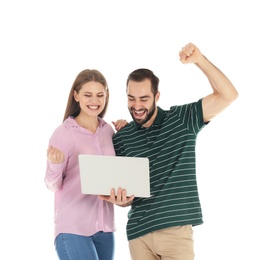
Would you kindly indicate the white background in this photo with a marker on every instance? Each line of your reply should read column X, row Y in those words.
column 45, row 44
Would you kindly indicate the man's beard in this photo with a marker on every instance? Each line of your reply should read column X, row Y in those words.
column 149, row 114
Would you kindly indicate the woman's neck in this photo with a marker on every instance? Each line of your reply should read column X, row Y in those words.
column 89, row 123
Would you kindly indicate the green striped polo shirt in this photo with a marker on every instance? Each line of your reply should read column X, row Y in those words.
column 169, row 144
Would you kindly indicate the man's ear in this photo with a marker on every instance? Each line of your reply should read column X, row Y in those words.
column 157, row 96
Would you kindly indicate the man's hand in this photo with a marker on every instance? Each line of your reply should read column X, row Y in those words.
column 121, row 199
column 190, row 54
column 119, row 124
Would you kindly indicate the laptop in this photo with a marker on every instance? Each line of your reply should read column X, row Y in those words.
column 100, row 173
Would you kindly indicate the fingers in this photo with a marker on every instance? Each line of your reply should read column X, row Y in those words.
column 119, row 124
column 55, row 155
column 186, row 52
column 121, row 199
column 188, row 49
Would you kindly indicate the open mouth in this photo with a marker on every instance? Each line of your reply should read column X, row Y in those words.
column 93, row 107
column 138, row 113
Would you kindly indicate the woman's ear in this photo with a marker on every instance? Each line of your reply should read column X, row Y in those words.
column 75, row 94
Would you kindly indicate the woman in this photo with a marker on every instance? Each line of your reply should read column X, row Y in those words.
column 84, row 224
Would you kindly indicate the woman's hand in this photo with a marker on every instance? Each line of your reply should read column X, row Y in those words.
column 55, row 155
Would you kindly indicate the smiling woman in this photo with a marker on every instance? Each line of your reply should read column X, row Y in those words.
column 84, row 225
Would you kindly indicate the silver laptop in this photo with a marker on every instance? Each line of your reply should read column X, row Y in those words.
column 99, row 174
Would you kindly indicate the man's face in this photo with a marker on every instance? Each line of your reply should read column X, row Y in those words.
column 141, row 102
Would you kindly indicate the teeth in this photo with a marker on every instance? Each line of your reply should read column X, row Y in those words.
column 93, row 107
column 139, row 112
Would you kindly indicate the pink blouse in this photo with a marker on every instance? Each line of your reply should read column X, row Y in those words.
column 74, row 212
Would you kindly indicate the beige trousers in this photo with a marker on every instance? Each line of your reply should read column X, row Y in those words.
column 175, row 243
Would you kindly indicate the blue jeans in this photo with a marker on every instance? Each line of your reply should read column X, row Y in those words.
column 100, row 246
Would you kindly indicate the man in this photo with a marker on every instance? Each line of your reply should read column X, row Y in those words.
column 160, row 227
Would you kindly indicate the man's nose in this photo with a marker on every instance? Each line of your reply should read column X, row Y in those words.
column 137, row 104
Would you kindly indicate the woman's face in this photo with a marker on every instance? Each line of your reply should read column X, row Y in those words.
column 92, row 98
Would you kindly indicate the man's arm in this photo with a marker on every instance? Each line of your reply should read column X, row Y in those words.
column 224, row 93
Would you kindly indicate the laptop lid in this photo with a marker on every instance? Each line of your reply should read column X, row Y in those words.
column 99, row 174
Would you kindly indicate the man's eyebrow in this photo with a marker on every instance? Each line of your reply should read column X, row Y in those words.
column 146, row 96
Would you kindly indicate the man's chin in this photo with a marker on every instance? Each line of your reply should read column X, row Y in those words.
column 138, row 120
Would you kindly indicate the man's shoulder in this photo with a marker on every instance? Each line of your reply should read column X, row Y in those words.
column 186, row 106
